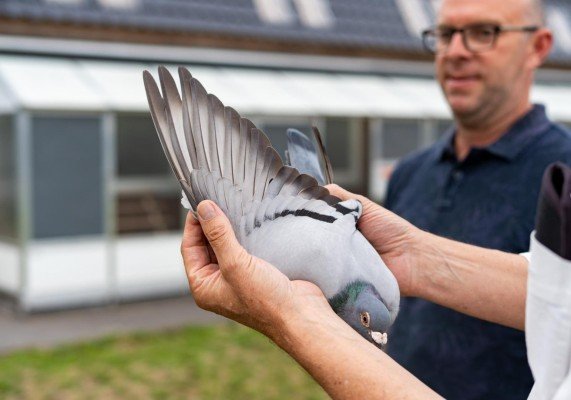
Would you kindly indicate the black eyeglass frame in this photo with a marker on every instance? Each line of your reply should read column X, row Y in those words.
column 497, row 29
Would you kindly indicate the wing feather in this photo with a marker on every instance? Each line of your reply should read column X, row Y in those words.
column 157, row 106
column 219, row 155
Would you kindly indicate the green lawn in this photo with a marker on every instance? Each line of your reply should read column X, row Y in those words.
column 224, row 362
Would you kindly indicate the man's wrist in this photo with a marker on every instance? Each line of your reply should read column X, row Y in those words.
column 300, row 324
column 421, row 255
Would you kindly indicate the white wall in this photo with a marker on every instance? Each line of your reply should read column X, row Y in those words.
column 149, row 265
column 65, row 272
column 74, row 272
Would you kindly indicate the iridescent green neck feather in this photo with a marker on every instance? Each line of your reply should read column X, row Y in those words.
column 348, row 295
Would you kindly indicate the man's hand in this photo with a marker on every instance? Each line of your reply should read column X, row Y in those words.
column 227, row 280
column 393, row 237
column 486, row 284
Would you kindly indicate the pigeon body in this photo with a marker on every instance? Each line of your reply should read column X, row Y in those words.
column 279, row 214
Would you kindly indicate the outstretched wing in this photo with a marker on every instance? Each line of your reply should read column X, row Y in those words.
column 219, row 155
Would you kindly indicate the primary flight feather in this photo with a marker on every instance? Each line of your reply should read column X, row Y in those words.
column 279, row 214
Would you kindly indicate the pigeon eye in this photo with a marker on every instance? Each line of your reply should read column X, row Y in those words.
column 365, row 319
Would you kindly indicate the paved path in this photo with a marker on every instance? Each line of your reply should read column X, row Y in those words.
column 44, row 330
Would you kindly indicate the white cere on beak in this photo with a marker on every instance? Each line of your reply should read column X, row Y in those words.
column 380, row 338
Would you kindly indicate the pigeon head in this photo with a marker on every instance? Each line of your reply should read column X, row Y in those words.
column 369, row 302
column 361, row 306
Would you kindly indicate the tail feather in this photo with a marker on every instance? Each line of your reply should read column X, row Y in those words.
column 323, row 155
column 308, row 157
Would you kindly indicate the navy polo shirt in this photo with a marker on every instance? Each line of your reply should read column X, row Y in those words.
column 489, row 200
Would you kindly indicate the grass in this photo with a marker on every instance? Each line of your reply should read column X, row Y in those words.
column 223, row 362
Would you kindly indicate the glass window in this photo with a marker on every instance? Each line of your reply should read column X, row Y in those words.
column 139, row 151
column 399, row 138
column 67, row 176
column 338, row 142
column 7, row 179
column 147, row 193
column 344, row 140
column 148, row 211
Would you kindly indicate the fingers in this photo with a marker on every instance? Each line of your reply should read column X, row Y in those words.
column 343, row 194
column 219, row 233
column 338, row 191
column 194, row 249
column 192, row 235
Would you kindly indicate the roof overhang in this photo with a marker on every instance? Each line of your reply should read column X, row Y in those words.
column 59, row 84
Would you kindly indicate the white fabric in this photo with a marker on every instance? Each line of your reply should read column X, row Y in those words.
column 548, row 323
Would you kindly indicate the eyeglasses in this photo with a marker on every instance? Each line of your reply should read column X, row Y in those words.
column 476, row 38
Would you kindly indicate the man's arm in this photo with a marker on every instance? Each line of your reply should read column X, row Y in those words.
column 483, row 283
column 225, row 279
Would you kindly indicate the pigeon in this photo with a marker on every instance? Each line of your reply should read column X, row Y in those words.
column 278, row 213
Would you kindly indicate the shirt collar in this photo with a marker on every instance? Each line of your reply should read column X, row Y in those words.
column 445, row 145
column 510, row 144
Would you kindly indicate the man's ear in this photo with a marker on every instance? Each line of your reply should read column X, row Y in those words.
column 542, row 45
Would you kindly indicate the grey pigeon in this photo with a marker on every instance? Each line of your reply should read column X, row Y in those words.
column 278, row 214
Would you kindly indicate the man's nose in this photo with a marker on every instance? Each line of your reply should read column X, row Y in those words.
column 457, row 48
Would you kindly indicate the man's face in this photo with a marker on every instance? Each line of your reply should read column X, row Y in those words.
column 476, row 84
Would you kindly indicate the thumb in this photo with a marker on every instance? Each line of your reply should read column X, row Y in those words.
column 343, row 194
column 221, row 236
column 338, row 191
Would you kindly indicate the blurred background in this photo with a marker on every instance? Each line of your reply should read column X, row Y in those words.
column 89, row 210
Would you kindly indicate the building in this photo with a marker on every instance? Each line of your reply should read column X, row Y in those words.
column 89, row 209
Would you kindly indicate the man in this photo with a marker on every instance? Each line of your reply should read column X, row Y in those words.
column 478, row 185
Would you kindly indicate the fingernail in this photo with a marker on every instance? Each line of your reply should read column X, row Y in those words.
column 206, row 211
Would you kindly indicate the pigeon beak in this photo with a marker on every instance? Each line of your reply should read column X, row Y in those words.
column 379, row 338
